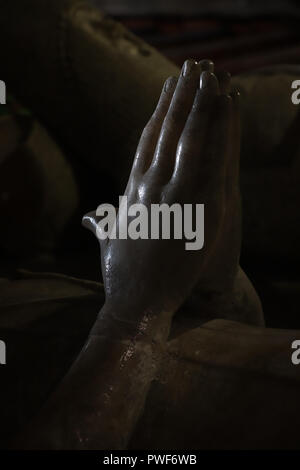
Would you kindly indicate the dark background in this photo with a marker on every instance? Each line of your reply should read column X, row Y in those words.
column 238, row 34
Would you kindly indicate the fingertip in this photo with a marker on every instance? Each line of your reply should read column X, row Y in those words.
column 170, row 84
column 89, row 221
column 189, row 66
column 164, row 99
column 209, row 82
column 206, row 64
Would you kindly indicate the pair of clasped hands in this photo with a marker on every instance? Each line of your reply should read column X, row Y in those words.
column 188, row 153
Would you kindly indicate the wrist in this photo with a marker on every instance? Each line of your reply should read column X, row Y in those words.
column 121, row 321
column 239, row 302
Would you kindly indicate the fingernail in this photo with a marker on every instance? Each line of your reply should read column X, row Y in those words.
column 169, row 83
column 188, row 67
column 205, row 79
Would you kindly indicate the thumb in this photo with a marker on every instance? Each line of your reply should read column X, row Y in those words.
column 90, row 221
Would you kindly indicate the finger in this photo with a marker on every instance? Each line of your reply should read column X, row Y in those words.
column 206, row 64
column 90, row 221
column 224, row 79
column 209, row 83
column 148, row 140
column 193, row 138
column 174, row 122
